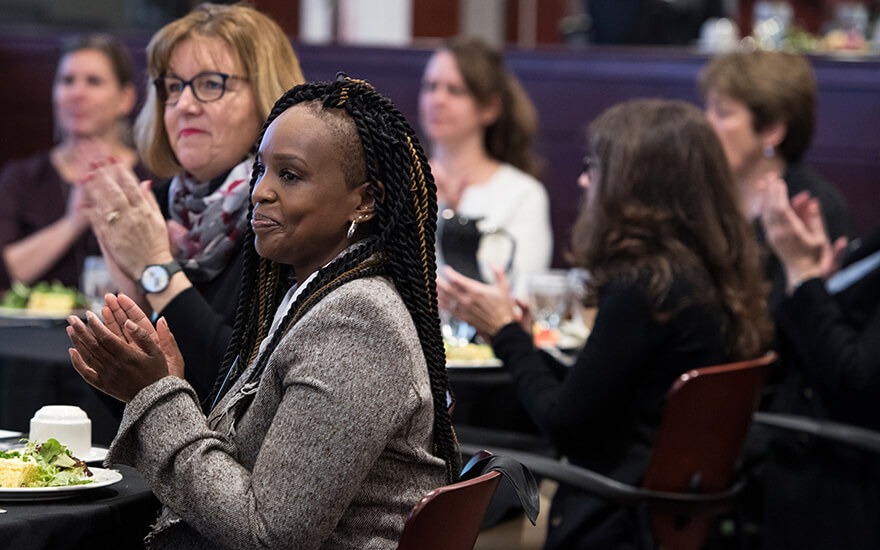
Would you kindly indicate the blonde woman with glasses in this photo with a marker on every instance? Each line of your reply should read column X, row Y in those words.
column 178, row 250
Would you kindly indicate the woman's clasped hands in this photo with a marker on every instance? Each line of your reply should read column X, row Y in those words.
column 126, row 217
column 124, row 354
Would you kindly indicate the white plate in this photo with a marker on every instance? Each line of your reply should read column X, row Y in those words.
column 95, row 454
column 15, row 317
column 102, row 478
column 492, row 363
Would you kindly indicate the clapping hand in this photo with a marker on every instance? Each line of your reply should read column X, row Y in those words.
column 796, row 233
column 126, row 218
column 78, row 208
column 486, row 307
column 124, row 354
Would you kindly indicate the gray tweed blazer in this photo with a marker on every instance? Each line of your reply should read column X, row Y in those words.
column 333, row 451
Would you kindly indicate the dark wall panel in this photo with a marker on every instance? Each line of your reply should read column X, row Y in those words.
column 569, row 88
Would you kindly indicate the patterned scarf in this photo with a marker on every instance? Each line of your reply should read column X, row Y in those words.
column 215, row 219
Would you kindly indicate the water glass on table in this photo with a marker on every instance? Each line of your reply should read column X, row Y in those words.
column 96, row 281
column 455, row 332
column 550, row 301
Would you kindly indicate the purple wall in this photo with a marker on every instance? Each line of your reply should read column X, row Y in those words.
column 569, row 87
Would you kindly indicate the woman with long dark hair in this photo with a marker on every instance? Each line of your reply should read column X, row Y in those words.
column 330, row 414
column 674, row 272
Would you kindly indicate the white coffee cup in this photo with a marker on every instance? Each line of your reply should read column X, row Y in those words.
column 69, row 424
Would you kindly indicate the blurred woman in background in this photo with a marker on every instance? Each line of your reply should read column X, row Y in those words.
column 480, row 124
column 44, row 230
column 818, row 493
column 762, row 105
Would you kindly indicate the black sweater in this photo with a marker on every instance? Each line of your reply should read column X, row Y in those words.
column 602, row 412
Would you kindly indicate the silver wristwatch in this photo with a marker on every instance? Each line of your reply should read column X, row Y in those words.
column 156, row 277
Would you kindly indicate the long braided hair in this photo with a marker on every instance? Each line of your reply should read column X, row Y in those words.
column 402, row 248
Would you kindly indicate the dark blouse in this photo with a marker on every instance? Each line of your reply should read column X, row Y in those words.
column 34, row 196
column 819, row 494
column 603, row 411
column 201, row 317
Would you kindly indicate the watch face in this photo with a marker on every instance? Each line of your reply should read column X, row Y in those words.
column 154, row 278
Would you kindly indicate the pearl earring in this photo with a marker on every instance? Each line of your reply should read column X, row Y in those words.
column 769, row 151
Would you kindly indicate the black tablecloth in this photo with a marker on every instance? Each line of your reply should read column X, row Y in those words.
column 486, row 398
column 115, row 517
column 36, row 343
column 35, row 370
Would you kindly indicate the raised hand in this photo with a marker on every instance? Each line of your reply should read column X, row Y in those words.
column 126, row 218
column 486, row 307
column 125, row 355
column 796, row 233
column 78, row 208
column 119, row 309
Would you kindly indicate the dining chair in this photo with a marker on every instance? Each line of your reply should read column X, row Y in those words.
column 449, row 517
column 691, row 473
column 818, row 482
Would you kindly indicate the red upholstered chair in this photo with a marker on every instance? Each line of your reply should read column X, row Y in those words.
column 691, row 473
column 449, row 517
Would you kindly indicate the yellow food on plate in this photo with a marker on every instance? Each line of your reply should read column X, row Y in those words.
column 15, row 472
column 43, row 298
column 470, row 352
column 51, row 302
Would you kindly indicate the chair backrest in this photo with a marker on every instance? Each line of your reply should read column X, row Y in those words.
column 449, row 518
column 696, row 448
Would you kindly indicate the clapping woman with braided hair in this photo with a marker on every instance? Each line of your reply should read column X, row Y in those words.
column 330, row 413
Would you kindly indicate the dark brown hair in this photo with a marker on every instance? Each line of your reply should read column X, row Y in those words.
column 663, row 203
column 113, row 49
column 775, row 87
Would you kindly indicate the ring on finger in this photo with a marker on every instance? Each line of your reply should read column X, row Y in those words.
column 112, row 216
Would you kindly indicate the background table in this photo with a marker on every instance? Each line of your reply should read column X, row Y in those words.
column 35, row 370
column 116, row 517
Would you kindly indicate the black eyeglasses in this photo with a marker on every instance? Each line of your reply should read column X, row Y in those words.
column 206, row 87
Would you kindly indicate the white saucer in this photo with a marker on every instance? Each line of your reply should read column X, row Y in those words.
column 95, row 454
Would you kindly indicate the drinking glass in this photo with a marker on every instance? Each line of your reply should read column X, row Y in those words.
column 96, row 281
column 550, row 301
column 455, row 332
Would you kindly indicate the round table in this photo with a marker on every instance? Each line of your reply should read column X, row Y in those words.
column 117, row 517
